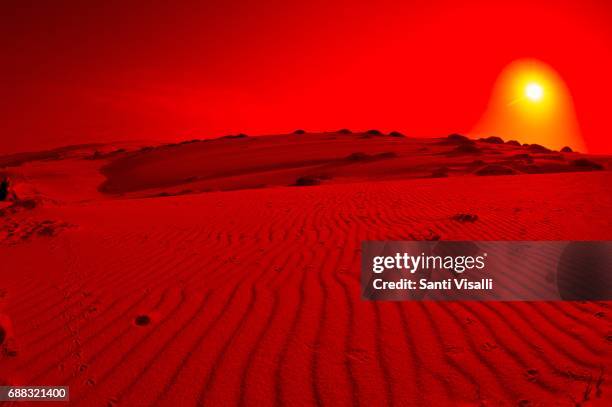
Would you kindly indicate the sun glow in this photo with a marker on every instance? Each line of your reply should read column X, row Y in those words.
column 534, row 92
column 531, row 103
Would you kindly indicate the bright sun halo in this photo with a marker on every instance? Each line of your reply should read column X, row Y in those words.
column 534, row 92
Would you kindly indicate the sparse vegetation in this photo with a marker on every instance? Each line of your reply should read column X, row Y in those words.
column 236, row 136
column 492, row 140
column 441, row 172
column 457, row 138
column 98, row 155
column 142, row 320
column 467, row 149
column 495, row 169
column 586, row 164
column 465, row 217
column 19, row 205
column 358, row 156
column 307, row 181
column 521, row 157
column 536, row 148
column 4, row 189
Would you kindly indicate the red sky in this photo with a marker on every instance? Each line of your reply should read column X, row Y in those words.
column 75, row 72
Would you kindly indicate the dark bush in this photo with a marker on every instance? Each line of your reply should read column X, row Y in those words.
column 536, row 148
column 374, row 132
column 4, row 189
column 587, row 164
column 495, row 169
column 358, row 156
column 458, row 138
column 344, row 131
column 467, row 149
column 299, row 131
column 492, row 140
column 307, row 181
column 465, row 217
column 397, row 134
column 142, row 320
column 441, row 172
column 513, row 143
column 567, row 149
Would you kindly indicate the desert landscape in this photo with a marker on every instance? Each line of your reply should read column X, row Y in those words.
column 226, row 272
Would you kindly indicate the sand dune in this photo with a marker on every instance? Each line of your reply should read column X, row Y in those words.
column 256, row 162
column 252, row 296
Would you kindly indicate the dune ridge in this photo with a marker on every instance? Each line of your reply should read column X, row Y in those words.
column 257, row 162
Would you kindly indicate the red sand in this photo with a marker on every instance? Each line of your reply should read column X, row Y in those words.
column 253, row 295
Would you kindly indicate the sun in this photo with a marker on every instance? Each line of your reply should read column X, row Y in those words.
column 531, row 103
column 534, row 92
